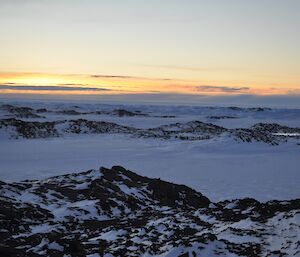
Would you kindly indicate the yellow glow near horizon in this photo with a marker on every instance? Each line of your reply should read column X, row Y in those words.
column 126, row 84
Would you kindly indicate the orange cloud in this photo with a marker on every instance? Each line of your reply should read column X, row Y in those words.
column 120, row 84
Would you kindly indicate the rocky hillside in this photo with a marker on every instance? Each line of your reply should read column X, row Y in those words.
column 27, row 122
column 13, row 111
column 115, row 212
column 270, row 133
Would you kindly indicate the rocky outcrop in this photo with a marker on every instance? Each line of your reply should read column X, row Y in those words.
column 20, row 112
column 82, row 126
column 115, row 211
column 69, row 112
column 222, row 117
column 33, row 129
column 15, row 127
column 250, row 109
column 270, row 133
column 193, row 130
column 123, row 112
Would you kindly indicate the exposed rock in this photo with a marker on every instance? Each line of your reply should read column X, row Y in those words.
column 42, row 110
column 259, row 109
column 270, row 133
column 116, row 211
column 193, row 130
column 20, row 112
column 222, row 117
column 69, row 112
column 96, row 127
column 32, row 129
column 250, row 109
column 122, row 112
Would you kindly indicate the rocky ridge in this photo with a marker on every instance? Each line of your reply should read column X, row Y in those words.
column 28, row 112
column 270, row 133
column 27, row 122
column 115, row 212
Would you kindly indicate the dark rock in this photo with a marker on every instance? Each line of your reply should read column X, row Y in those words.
column 122, row 113
column 32, row 129
column 119, row 212
column 20, row 112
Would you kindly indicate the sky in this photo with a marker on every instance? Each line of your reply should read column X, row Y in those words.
column 131, row 47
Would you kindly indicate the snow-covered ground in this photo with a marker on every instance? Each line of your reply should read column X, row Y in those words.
column 217, row 169
column 220, row 168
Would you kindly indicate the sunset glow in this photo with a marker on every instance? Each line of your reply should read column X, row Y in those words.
column 100, row 48
column 110, row 84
